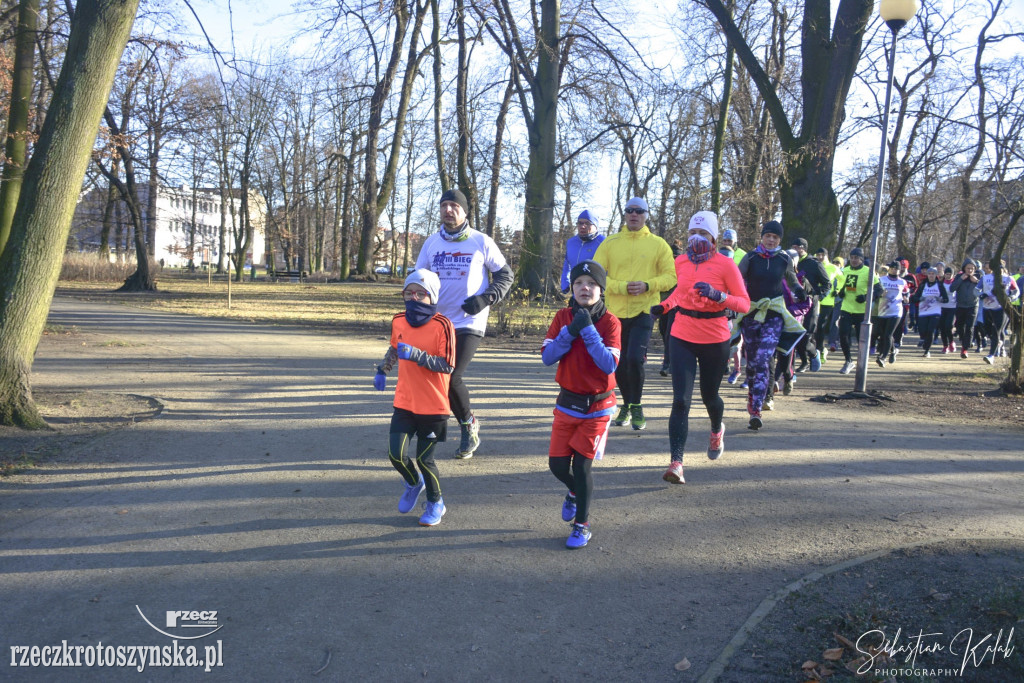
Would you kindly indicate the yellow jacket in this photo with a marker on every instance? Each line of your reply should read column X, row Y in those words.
column 636, row 256
column 737, row 255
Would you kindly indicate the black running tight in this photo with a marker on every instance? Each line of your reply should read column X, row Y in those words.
column 424, row 457
column 578, row 479
column 686, row 357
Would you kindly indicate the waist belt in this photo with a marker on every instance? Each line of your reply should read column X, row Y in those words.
column 702, row 314
column 579, row 403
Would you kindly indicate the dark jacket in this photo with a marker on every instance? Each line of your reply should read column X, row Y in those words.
column 764, row 276
column 965, row 290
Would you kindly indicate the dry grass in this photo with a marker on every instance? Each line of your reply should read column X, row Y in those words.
column 89, row 267
column 356, row 307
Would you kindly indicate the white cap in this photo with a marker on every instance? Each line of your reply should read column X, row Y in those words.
column 426, row 279
column 705, row 220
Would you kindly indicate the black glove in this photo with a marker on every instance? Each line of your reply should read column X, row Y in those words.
column 861, row 298
column 657, row 310
column 474, row 304
column 581, row 320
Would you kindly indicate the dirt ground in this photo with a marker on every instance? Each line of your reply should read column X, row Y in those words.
column 196, row 462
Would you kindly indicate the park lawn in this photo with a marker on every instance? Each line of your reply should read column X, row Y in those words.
column 353, row 306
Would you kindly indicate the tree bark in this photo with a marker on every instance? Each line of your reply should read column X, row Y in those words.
column 30, row 265
column 16, row 148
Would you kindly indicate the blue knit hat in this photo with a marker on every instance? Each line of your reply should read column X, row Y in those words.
column 589, row 215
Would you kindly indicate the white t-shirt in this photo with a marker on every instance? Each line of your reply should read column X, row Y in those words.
column 951, row 294
column 931, row 300
column 462, row 268
column 988, row 300
column 891, row 303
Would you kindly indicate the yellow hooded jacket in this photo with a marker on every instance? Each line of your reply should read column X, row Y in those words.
column 635, row 256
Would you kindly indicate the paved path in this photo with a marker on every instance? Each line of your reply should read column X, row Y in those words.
column 263, row 492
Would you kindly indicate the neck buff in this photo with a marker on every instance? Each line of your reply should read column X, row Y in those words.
column 459, row 236
column 699, row 249
column 767, row 253
column 596, row 309
column 589, row 237
column 418, row 313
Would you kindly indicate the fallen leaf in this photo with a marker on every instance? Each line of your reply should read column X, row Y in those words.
column 122, row 512
column 845, row 641
column 855, row 664
column 809, row 664
column 834, row 654
column 683, row 664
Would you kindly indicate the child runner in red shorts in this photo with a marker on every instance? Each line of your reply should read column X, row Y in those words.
column 585, row 341
column 423, row 345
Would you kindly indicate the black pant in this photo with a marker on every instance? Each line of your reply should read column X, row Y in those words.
column 636, row 335
column 887, row 327
column 808, row 346
column 965, row 325
column 927, row 326
column 824, row 326
column 994, row 320
column 665, row 323
column 458, row 395
column 578, row 479
column 405, row 425
column 847, row 322
column 686, row 357
column 946, row 326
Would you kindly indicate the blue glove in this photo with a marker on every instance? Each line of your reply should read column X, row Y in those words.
column 404, row 351
column 708, row 292
column 380, row 380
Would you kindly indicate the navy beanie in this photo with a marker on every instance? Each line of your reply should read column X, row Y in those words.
column 591, row 268
column 456, row 196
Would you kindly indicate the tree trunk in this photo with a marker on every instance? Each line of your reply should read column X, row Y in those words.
column 720, row 131
column 30, row 266
column 435, row 40
column 499, row 134
column 535, row 260
column 466, row 184
column 16, row 148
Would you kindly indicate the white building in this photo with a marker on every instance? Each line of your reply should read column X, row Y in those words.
column 174, row 217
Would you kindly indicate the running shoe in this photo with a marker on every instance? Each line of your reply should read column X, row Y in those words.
column 847, row 366
column 733, row 376
column 716, row 446
column 832, row 348
column 816, row 360
column 802, row 367
column 579, row 537
column 744, row 385
column 946, row 349
column 963, row 353
column 952, row 347
column 664, row 372
column 824, row 354
column 769, row 404
column 432, row 513
column 755, row 422
column 470, row 439
column 412, row 494
column 674, row 473
column 927, row 354
column 787, row 386
column 623, row 416
column 636, row 417
column 880, row 361
column 569, row 508
column 990, row 359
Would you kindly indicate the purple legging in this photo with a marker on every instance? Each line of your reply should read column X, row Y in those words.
column 759, row 342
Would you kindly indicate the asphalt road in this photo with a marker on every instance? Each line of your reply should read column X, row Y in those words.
column 263, row 493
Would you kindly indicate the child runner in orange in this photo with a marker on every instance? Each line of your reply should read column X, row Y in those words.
column 423, row 345
column 585, row 341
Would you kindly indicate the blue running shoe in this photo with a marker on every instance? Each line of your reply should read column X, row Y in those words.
column 412, row 494
column 579, row 537
column 733, row 376
column 569, row 508
column 744, row 385
column 433, row 512
column 816, row 362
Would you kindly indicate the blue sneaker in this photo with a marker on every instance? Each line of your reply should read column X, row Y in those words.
column 579, row 537
column 744, row 385
column 433, row 512
column 569, row 508
column 816, row 362
column 412, row 494
column 733, row 376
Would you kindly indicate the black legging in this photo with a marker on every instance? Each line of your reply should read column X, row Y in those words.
column 847, row 323
column 946, row 326
column 965, row 325
column 994, row 322
column 458, row 395
column 927, row 325
column 887, row 328
column 686, row 357
column 424, row 457
column 824, row 326
column 579, row 479
column 629, row 375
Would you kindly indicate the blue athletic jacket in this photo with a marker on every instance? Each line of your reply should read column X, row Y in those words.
column 577, row 250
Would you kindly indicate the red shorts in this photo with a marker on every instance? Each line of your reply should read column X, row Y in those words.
column 584, row 436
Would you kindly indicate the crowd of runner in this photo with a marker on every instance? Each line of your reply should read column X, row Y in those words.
column 769, row 313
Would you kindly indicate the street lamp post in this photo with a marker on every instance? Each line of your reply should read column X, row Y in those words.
column 895, row 14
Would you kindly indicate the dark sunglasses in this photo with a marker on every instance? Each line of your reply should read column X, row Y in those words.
column 635, row 211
